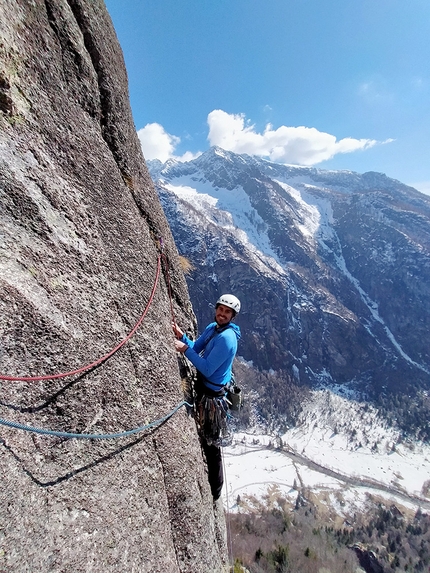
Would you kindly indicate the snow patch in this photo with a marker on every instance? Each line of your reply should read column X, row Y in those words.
column 231, row 210
column 346, row 462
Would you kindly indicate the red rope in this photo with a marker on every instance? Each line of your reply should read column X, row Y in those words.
column 103, row 358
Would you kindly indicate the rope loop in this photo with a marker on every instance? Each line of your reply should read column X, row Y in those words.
column 69, row 435
column 103, row 358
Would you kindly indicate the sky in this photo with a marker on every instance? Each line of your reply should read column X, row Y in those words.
column 335, row 84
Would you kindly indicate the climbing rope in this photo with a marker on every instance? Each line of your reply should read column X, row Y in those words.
column 69, row 435
column 44, row 432
column 103, row 358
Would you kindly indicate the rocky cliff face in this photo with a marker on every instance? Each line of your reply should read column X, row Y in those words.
column 79, row 229
column 333, row 268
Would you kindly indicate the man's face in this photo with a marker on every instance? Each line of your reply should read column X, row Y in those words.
column 223, row 315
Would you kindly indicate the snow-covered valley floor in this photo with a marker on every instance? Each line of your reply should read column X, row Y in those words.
column 340, row 470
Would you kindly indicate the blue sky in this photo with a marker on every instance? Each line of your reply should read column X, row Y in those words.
column 338, row 84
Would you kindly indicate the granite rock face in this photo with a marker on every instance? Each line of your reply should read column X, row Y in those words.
column 80, row 224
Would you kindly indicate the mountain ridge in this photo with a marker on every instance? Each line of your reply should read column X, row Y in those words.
column 340, row 261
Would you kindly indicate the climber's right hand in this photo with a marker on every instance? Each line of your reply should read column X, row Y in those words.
column 177, row 331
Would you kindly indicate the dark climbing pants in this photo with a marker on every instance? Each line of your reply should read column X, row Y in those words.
column 211, row 417
column 215, row 469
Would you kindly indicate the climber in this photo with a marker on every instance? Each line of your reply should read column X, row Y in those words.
column 212, row 354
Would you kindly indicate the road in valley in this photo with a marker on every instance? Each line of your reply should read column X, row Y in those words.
column 354, row 481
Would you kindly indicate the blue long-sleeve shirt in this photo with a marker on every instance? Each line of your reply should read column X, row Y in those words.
column 213, row 354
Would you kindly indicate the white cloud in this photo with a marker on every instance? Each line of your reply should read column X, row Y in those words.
column 233, row 132
column 187, row 156
column 299, row 145
column 156, row 143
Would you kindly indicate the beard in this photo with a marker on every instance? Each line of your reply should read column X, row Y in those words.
column 223, row 323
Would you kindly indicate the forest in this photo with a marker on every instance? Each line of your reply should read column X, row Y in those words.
column 384, row 539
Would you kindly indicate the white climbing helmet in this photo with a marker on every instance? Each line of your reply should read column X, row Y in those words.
column 229, row 300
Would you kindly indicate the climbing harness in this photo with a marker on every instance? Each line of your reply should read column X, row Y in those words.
column 211, row 418
column 44, row 432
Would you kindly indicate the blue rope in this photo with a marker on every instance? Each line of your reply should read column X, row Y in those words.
column 158, row 422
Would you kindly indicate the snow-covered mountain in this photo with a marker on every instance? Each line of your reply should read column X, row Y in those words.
column 332, row 267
